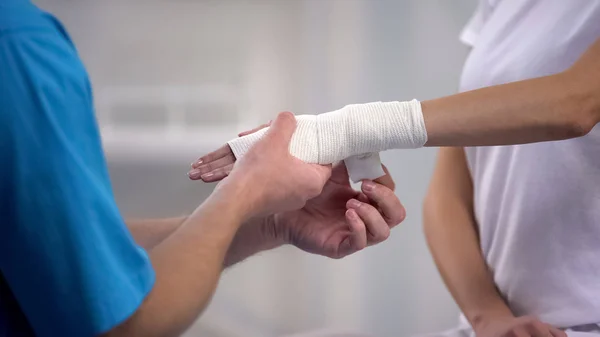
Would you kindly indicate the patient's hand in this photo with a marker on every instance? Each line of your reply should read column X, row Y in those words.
column 217, row 164
column 517, row 327
column 338, row 222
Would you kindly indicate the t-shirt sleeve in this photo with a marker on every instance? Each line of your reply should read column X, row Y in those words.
column 65, row 251
column 471, row 31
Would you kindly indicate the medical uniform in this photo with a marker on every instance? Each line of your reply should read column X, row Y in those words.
column 68, row 264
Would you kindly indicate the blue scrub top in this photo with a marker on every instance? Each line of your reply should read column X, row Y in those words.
column 68, row 264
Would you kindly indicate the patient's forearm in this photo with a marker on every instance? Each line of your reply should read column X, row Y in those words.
column 542, row 109
column 561, row 106
column 556, row 107
column 451, row 234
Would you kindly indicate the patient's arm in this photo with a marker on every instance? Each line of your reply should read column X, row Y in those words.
column 561, row 106
column 452, row 237
column 451, row 233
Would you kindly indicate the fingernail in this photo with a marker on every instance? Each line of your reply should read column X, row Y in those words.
column 194, row 174
column 196, row 163
column 354, row 203
column 368, row 186
column 207, row 175
column 351, row 214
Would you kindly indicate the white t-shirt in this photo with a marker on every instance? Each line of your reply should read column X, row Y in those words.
column 537, row 205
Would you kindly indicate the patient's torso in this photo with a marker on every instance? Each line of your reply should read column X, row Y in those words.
column 538, row 205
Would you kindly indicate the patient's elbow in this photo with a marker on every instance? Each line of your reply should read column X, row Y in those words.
column 581, row 123
column 581, row 113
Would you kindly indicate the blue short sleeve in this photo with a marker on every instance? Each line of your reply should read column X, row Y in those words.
column 65, row 252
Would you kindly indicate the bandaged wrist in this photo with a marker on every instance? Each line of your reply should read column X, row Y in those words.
column 354, row 130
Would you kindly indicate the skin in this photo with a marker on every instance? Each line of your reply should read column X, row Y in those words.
column 561, row 106
column 326, row 225
column 451, row 233
column 257, row 207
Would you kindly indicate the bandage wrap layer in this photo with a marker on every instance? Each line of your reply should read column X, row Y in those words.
column 356, row 133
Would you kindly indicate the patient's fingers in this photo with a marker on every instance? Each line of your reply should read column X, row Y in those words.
column 224, row 150
column 557, row 332
column 217, row 174
column 520, row 331
column 245, row 133
column 211, row 166
column 538, row 329
column 217, row 154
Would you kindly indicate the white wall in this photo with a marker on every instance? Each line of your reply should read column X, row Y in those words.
column 306, row 56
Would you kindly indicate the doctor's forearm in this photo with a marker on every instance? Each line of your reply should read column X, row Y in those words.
column 253, row 236
column 188, row 264
column 150, row 232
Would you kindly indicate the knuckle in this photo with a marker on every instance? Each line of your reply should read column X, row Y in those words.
column 337, row 256
column 386, row 196
column 400, row 216
column 286, row 114
column 538, row 325
column 314, row 190
column 384, row 235
column 286, row 117
column 380, row 236
column 392, row 186
column 299, row 202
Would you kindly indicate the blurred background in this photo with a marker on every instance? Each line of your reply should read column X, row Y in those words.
column 174, row 79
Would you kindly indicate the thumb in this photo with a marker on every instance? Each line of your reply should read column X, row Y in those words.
column 340, row 174
column 386, row 180
column 281, row 130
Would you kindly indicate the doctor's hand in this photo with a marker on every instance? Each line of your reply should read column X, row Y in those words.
column 269, row 179
column 341, row 221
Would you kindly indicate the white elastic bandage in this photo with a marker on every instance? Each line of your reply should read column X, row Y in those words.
column 355, row 133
